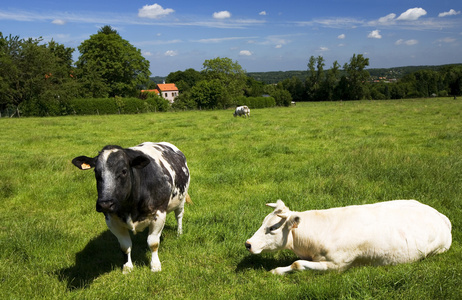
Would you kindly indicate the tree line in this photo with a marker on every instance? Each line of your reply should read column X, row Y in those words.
column 39, row 79
column 354, row 82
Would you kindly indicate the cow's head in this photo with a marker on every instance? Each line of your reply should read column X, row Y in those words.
column 114, row 167
column 275, row 231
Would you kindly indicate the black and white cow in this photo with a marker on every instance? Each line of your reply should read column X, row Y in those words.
column 137, row 187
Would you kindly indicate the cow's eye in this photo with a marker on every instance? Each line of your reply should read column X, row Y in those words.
column 274, row 227
column 124, row 172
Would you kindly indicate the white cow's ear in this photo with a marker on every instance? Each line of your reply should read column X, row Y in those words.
column 293, row 222
column 272, row 205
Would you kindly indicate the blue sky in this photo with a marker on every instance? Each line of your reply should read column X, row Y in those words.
column 261, row 35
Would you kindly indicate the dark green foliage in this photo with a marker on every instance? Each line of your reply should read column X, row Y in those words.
column 256, row 102
column 111, row 66
column 118, row 105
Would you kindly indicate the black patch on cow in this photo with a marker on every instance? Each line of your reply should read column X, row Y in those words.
column 177, row 161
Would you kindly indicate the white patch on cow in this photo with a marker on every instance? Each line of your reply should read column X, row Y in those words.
column 108, row 177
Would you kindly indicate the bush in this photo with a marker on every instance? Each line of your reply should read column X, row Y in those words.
column 256, row 102
column 117, row 105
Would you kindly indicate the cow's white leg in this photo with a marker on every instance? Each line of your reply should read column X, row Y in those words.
column 155, row 230
column 179, row 217
column 301, row 265
column 125, row 242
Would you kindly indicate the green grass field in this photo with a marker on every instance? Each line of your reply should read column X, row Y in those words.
column 54, row 245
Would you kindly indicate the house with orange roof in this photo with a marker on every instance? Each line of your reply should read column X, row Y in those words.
column 168, row 91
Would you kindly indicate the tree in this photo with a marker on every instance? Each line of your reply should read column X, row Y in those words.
column 229, row 74
column 314, row 81
column 184, row 80
column 253, row 87
column 295, row 87
column 35, row 77
column 330, row 83
column 356, row 77
column 110, row 66
column 209, row 94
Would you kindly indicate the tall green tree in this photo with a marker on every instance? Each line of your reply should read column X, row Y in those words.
column 230, row 75
column 330, row 84
column 357, row 77
column 36, row 78
column 315, row 78
column 110, row 66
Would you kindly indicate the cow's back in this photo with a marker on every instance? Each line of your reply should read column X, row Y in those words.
column 383, row 233
column 173, row 165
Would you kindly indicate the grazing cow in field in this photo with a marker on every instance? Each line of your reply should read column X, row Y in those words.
column 242, row 111
column 385, row 233
column 137, row 187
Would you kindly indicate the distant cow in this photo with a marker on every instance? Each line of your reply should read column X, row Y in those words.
column 385, row 233
column 242, row 111
column 137, row 187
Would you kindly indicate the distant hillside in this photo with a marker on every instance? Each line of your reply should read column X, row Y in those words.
column 278, row 76
column 397, row 73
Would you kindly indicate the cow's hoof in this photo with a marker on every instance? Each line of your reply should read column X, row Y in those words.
column 127, row 268
column 277, row 272
column 156, row 269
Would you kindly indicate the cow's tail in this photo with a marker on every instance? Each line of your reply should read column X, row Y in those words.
column 188, row 199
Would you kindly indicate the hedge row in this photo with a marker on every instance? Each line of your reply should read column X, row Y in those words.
column 107, row 106
column 256, row 102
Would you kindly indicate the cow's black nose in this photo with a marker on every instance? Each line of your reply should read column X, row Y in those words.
column 247, row 245
column 104, row 206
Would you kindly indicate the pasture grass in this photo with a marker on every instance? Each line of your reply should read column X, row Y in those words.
column 54, row 245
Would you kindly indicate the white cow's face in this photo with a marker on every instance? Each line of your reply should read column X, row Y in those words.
column 275, row 231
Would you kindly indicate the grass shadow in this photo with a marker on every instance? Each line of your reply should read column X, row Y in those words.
column 102, row 255
column 257, row 262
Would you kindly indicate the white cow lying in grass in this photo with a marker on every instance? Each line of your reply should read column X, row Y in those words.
column 385, row 233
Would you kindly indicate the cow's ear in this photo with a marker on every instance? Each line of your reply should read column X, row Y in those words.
column 293, row 221
column 139, row 161
column 84, row 162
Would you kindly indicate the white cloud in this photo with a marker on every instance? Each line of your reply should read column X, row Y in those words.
column 278, row 46
column 446, row 40
column 222, row 15
column 407, row 43
column 262, row 13
column 322, row 49
column 154, row 11
column 59, row 22
column 375, row 34
column 223, row 39
column 388, row 18
column 412, row 14
column 341, row 37
column 245, row 53
column 171, row 53
column 146, row 53
column 451, row 12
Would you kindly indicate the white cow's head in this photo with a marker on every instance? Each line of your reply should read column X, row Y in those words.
column 275, row 231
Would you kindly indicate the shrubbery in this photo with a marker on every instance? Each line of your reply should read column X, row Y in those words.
column 256, row 102
column 117, row 105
